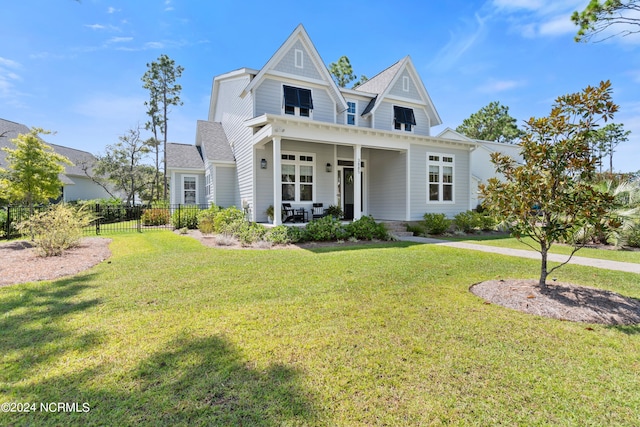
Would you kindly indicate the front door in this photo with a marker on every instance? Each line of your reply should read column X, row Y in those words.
column 346, row 185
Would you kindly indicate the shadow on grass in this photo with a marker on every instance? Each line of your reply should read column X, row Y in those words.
column 32, row 329
column 194, row 381
column 324, row 247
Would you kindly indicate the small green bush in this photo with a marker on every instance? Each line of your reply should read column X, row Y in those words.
column 250, row 232
column 229, row 221
column 155, row 216
column 325, row 229
column 206, row 219
column 631, row 236
column 57, row 229
column 416, row 229
column 185, row 216
column 296, row 234
column 435, row 223
column 468, row 221
column 366, row 228
column 278, row 235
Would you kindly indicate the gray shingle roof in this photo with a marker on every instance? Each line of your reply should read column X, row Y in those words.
column 381, row 81
column 10, row 130
column 184, row 156
column 215, row 146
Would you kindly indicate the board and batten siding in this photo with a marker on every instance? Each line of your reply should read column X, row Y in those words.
column 232, row 111
column 387, row 184
column 419, row 181
column 384, row 118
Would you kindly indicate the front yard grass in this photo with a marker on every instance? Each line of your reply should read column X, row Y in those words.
column 172, row 333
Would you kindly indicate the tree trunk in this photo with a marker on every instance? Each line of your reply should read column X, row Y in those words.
column 543, row 266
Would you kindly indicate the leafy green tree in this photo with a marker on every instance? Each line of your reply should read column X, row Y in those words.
column 342, row 71
column 550, row 196
column 598, row 16
column 160, row 80
column 604, row 140
column 491, row 123
column 123, row 166
column 32, row 174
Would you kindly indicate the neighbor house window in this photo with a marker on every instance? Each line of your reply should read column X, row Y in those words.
column 189, row 190
column 351, row 113
column 403, row 118
column 297, row 177
column 297, row 101
column 440, row 185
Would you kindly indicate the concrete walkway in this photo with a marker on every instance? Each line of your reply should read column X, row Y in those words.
column 589, row 262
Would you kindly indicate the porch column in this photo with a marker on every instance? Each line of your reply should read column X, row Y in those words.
column 357, row 182
column 277, row 187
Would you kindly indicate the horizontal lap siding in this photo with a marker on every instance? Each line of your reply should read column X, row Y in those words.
column 384, row 119
column 232, row 112
column 419, row 178
column 226, row 186
column 269, row 98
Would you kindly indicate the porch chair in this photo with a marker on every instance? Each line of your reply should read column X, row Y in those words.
column 318, row 211
column 288, row 213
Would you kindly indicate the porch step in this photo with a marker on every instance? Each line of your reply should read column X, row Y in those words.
column 397, row 228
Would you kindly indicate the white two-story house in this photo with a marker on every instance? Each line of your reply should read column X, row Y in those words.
column 288, row 133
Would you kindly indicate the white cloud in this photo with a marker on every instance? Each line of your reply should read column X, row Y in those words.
column 537, row 18
column 111, row 10
column 458, row 45
column 4, row 62
column 154, row 45
column 119, row 40
column 494, row 86
column 556, row 26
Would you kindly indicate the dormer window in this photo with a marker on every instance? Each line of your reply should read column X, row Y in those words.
column 297, row 101
column 403, row 119
column 351, row 113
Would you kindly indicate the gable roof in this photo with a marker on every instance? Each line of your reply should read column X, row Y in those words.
column 184, row 156
column 382, row 83
column 215, row 146
column 299, row 34
column 10, row 130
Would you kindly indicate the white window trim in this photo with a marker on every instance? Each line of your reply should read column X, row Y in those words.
column 355, row 114
column 441, row 165
column 299, row 58
column 297, row 109
column 297, row 163
column 405, row 83
column 182, row 188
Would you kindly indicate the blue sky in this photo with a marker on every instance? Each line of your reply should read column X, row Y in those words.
column 75, row 67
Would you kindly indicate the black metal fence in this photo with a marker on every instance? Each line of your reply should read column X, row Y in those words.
column 112, row 218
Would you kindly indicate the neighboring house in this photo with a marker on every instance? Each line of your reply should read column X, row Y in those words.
column 288, row 133
column 76, row 185
column 481, row 166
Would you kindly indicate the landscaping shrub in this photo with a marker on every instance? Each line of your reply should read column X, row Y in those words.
column 185, row 216
column 4, row 217
column 487, row 222
column 57, row 229
column 229, row 221
column 249, row 232
column 468, row 221
column 325, row 229
column 416, row 229
column 436, row 223
column 206, row 219
column 631, row 236
column 278, row 235
column 155, row 216
column 296, row 234
column 366, row 228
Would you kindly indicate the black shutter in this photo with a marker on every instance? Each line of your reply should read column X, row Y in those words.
column 404, row 115
column 296, row 97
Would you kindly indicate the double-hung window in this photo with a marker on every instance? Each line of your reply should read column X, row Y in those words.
column 440, row 185
column 351, row 113
column 189, row 190
column 297, row 174
column 403, row 118
column 297, row 101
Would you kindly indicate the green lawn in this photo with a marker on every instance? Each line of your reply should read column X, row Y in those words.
column 172, row 333
column 504, row 241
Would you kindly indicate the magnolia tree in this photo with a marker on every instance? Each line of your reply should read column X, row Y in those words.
column 550, row 196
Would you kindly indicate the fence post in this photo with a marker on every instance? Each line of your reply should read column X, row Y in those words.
column 8, row 223
column 138, row 213
column 97, row 210
column 179, row 218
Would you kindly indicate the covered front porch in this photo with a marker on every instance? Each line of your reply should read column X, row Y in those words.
column 302, row 163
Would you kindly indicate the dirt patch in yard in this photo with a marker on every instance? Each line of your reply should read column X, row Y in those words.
column 562, row 301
